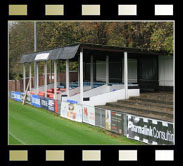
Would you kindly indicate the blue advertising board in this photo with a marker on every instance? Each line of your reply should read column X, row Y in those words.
column 36, row 101
column 12, row 94
column 17, row 96
column 44, row 102
column 51, row 105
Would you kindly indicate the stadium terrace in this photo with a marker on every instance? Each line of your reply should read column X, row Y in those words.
column 105, row 73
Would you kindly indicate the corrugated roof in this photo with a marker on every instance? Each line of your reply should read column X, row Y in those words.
column 69, row 51
column 28, row 58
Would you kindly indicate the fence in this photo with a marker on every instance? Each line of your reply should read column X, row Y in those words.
column 17, row 85
column 147, row 130
column 37, row 101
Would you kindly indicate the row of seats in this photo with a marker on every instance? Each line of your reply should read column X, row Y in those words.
column 50, row 92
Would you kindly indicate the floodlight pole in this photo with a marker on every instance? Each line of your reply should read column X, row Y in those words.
column 35, row 64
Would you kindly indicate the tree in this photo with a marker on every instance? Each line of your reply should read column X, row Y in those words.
column 150, row 35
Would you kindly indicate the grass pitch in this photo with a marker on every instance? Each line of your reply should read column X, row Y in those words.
column 34, row 126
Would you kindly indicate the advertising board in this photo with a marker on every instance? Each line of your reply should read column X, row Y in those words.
column 108, row 119
column 71, row 111
column 44, row 102
column 28, row 99
column 117, row 122
column 150, row 131
column 99, row 117
column 36, row 101
column 89, row 114
column 51, row 105
column 17, row 96
column 12, row 94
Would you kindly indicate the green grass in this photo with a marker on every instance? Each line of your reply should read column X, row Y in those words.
column 34, row 126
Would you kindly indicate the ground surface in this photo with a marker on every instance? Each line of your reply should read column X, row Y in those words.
column 34, row 126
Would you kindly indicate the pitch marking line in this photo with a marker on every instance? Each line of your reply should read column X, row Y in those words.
column 18, row 139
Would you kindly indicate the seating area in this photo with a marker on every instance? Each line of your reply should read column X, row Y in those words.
column 50, row 92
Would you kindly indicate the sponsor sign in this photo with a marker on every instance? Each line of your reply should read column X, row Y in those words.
column 100, row 117
column 22, row 95
column 36, row 101
column 28, row 99
column 150, row 131
column 44, row 102
column 42, row 56
column 117, row 122
column 58, row 107
column 17, row 96
column 89, row 114
column 51, row 105
column 71, row 111
column 12, row 96
column 107, row 119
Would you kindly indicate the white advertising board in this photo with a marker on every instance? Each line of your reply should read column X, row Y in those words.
column 71, row 111
column 89, row 114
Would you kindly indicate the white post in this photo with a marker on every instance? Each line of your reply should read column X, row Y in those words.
column 126, row 74
column 78, row 71
column 107, row 69
column 55, row 79
column 37, row 86
column 30, row 75
column 24, row 77
column 45, row 79
column 67, row 77
column 91, row 71
column 35, row 63
column 81, row 76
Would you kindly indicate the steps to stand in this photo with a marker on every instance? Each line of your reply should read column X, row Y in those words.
column 152, row 105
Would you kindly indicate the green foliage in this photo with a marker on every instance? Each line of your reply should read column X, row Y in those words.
column 150, row 35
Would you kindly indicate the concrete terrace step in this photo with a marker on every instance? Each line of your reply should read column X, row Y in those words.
column 151, row 100
column 148, row 114
column 150, row 109
column 145, row 103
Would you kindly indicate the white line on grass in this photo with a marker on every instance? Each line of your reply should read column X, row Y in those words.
column 19, row 140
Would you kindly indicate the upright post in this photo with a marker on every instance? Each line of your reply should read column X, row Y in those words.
column 51, row 71
column 107, row 69
column 45, row 79
column 78, row 71
column 37, row 74
column 67, row 77
column 55, row 79
column 30, row 76
column 35, row 63
column 24, row 77
column 91, row 71
column 126, row 74
column 81, row 76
